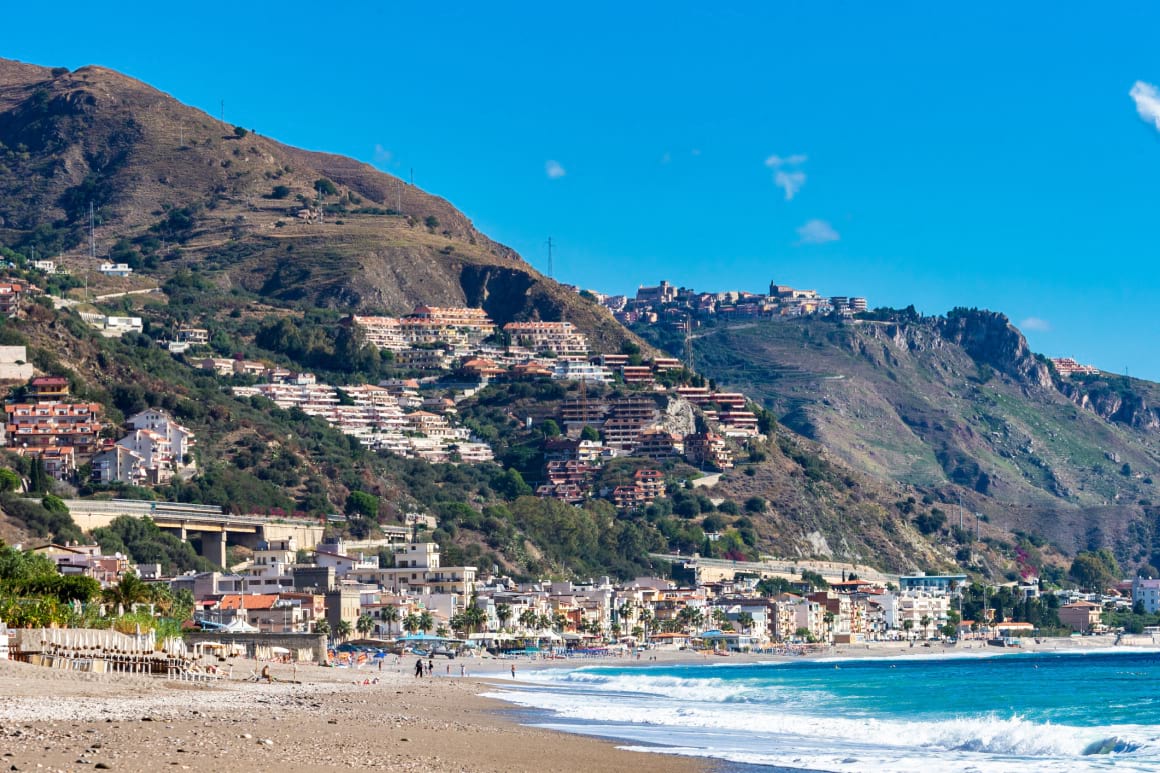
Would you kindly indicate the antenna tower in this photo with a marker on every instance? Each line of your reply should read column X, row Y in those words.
column 92, row 233
column 551, row 271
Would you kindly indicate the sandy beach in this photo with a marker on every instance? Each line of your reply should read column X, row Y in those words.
column 59, row 720
column 54, row 720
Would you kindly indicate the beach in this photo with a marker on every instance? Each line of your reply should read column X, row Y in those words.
column 315, row 718
column 56, row 720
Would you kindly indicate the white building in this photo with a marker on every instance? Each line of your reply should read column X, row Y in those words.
column 914, row 606
column 272, row 570
column 1147, row 592
column 115, row 269
column 180, row 438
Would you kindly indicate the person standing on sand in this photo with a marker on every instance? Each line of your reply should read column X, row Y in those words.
column 419, row 668
column 513, row 670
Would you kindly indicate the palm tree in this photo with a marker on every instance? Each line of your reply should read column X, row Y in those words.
column 442, row 632
column 322, row 627
column 129, row 591
column 745, row 620
column 528, row 619
column 473, row 618
column 624, row 612
column 559, row 621
column 719, row 616
column 411, row 622
column 504, row 613
column 645, row 617
column 925, row 622
column 365, row 624
column 543, row 622
column 389, row 615
column 342, row 630
column 906, row 626
column 426, row 621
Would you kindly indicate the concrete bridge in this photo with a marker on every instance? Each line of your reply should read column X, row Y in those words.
column 214, row 528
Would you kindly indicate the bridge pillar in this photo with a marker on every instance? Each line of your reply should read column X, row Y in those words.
column 213, row 546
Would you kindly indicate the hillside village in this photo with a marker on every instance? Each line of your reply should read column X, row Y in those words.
column 623, row 407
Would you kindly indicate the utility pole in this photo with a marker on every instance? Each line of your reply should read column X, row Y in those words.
column 92, row 233
column 960, row 511
column 550, row 269
column 223, row 114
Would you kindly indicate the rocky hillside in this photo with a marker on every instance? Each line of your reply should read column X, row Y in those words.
column 958, row 406
column 171, row 188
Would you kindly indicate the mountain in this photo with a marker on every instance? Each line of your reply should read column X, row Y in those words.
column 172, row 188
column 958, row 406
column 266, row 247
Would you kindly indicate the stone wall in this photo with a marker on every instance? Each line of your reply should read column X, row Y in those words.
column 291, row 641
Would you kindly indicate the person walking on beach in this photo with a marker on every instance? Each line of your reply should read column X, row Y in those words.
column 419, row 668
column 513, row 670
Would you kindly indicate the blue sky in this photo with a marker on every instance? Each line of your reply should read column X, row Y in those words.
column 989, row 156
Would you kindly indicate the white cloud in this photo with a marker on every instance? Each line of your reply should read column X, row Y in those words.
column 790, row 182
column 817, row 232
column 554, row 170
column 382, row 155
column 775, row 161
column 786, row 174
column 1035, row 324
column 1147, row 100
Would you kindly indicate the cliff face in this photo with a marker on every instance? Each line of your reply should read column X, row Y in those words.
column 990, row 339
column 1129, row 406
column 185, row 190
column 956, row 407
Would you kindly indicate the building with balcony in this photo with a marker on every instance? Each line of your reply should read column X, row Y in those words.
column 42, row 424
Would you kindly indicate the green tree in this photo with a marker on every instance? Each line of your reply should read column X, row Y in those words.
column 325, row 187
column 362, row 503
column 322, row 627
column 528, row 619
column 342, row 630
column 365, row 624
column 745, row 620
column 589, row 433
column 9, row 481
column 504, row 613
column 426, row 621
column 240, row 133
column 130, row 590
column 1094, row 570
column 390, row 616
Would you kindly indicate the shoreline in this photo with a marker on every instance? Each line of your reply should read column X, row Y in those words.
column 319, row 720
column 64, row 721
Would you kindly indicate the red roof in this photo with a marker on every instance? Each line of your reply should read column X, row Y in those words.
column 250, row 601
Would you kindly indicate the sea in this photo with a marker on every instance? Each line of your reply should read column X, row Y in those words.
column 990, row 712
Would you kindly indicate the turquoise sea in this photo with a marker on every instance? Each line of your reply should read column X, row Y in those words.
column 1020, row 712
